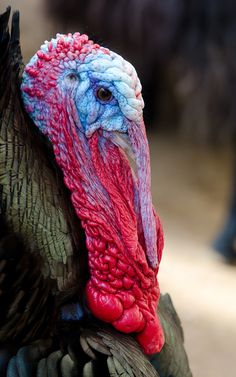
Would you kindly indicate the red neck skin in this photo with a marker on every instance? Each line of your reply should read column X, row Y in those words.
column 123, row 289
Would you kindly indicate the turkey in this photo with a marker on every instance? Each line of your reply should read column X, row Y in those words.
column 80, row 243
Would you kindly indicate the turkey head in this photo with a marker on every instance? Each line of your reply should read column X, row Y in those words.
column 87, row 100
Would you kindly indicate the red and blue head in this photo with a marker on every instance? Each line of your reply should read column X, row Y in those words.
column 88, row 101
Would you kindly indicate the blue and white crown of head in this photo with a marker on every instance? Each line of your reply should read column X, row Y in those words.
column 77, row 53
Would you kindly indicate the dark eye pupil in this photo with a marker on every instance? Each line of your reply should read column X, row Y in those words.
column 104, row 94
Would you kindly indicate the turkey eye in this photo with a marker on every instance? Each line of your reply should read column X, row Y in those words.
column 104, row 94
column 72, row 77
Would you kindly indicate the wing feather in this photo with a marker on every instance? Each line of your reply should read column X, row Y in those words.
column 172, row 360
column 120, row 353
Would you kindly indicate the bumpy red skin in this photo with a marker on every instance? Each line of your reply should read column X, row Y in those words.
column 122, row 290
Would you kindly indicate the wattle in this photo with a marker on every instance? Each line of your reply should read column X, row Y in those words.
column 123, row 289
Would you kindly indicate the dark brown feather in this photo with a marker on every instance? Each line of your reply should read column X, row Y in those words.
column 102, row 351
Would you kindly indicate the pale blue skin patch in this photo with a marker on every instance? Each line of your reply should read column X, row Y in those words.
column 110, row 71
column 94, row 113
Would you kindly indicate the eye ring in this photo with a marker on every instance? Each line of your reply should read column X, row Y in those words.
column 104, row 94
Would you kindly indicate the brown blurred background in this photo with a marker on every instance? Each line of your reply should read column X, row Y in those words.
column 185, row 54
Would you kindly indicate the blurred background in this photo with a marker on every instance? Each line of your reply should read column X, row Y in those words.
column 185, row 54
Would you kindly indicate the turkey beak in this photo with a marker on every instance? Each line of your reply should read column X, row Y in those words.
column 140, row 149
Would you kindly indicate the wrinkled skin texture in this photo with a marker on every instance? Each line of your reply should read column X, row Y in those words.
column 123, row 234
